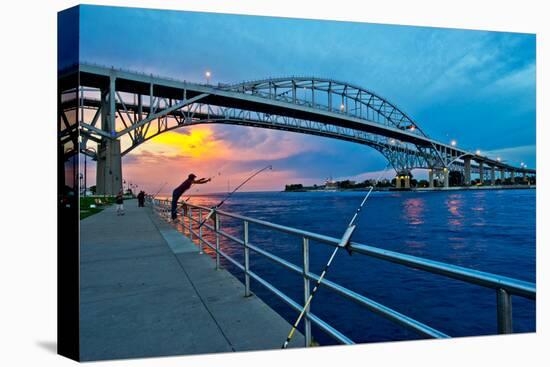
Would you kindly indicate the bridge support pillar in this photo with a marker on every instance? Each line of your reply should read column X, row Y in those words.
column 512, row 177
column 403, row 180
column 467, row 171
column 445, row 177
column 481, row 173
column 502, row 175
column 431, row 178
column 493, row 175
column 109, row 168
column 525, row 180
column 407, row 181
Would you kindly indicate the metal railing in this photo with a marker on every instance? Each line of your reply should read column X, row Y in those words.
column 504, row 287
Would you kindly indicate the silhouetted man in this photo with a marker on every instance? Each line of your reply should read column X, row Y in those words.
column 178, row 192
column 141, row 199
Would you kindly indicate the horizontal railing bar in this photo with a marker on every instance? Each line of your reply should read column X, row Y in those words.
column 223, row 233
column 279, row 227
column 382, row 310
column 329, row 330
column 316, row 320
column 370, row 304
column 231, row 237
column 373, row 306
column 514, row 286
column 489, row 280
column 223, row 254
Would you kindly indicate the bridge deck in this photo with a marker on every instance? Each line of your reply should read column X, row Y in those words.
column 146, row 291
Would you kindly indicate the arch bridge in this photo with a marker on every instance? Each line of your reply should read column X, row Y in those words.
column 114, row 105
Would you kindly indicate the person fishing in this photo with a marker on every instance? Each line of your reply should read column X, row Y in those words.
column 185, row 185
column 141, row 199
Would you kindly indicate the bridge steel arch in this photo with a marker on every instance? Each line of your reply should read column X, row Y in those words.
column 115, row 103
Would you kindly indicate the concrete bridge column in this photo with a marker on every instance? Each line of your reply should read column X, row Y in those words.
column 445, row 177
column 407, row 181
column 481, row 173
column 467, row 171
column 525, row 177
column 493, row 175
column 512, row 177
column 431, row 178
column 109, row 161
column 109, row 168
column 397, row 181
column 502, row 174
column 403, row 180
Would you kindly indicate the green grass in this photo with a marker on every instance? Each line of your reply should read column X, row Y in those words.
column 85, row 202
column 85, row 213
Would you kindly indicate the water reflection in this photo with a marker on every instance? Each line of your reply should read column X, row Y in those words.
column 455, row 205
column 414, row 211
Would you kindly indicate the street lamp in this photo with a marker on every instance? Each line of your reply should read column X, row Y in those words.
column 453, row 143
column 478, row 152
column 498, row 159
column 207, row 74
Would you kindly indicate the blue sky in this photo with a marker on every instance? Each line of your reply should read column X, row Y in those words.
column 476, row 87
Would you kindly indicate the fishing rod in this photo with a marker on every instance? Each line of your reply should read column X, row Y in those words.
column 344, row 243
column 213, row 209
column 154, row 196
column 214, row 176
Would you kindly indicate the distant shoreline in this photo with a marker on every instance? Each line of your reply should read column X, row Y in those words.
column 425, row 189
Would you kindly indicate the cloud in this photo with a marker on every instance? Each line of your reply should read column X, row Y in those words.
column 515, row 155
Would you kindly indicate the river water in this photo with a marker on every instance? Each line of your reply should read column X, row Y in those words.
column 486, row 230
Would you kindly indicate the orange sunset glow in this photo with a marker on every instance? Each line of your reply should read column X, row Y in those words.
column 207, row 152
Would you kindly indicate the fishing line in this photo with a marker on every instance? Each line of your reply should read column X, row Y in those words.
column 154, row 196
column 213, row 209
column 344, row 243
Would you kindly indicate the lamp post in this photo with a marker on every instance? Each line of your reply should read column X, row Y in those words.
column 207, row 74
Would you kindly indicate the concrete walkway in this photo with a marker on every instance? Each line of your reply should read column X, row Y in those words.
column 145, row 291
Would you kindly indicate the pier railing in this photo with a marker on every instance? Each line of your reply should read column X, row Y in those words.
column 504, row 287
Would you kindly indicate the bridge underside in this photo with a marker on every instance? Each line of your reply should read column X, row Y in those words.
column 117, row 107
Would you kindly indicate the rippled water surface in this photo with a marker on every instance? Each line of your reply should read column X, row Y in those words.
column 492, row 231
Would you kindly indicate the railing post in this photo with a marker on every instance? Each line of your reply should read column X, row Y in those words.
column 190, row 216
column 504, row 312
column 246, row 261
column 200, row 231
column 307, row 322
column 217, row 230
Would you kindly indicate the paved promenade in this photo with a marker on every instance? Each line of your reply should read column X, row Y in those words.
column 146, row 291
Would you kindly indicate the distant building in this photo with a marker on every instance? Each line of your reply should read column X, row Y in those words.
column 330, row 184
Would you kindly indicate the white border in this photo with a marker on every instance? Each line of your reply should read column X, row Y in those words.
column 27, row 151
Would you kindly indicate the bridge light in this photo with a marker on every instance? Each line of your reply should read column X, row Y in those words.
column 207, row 74
column 478, row 152
column 453, row 143
column 342, row 107
column 498, row 159
column 412, row 128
